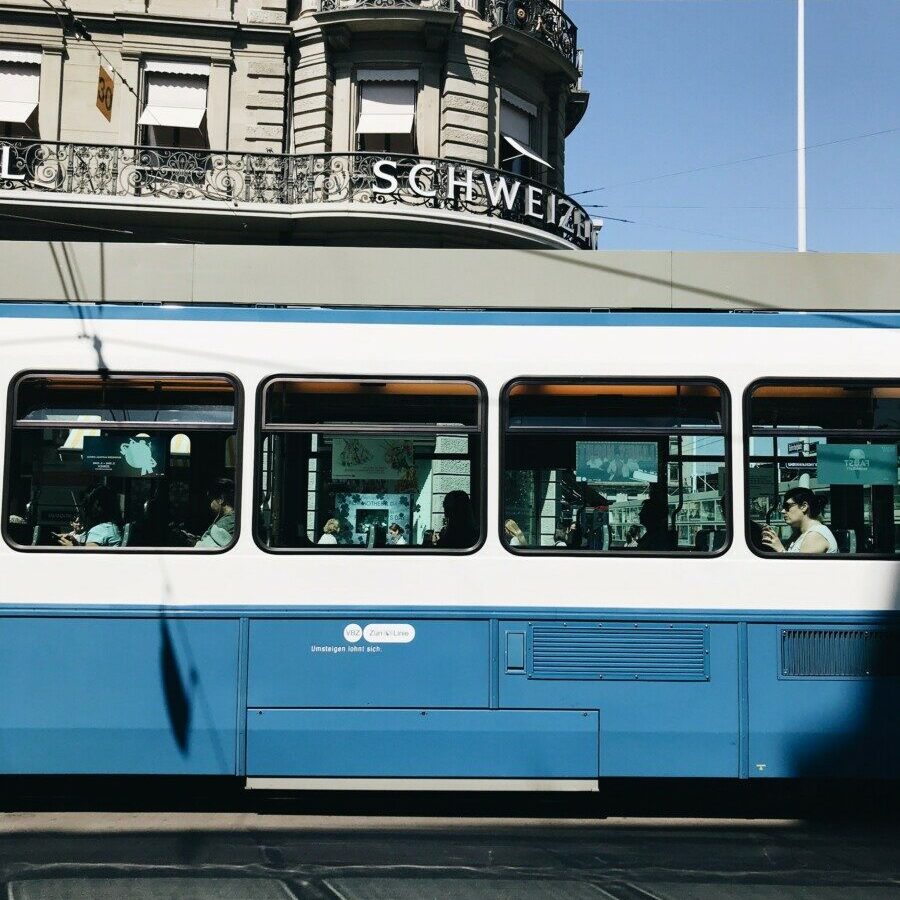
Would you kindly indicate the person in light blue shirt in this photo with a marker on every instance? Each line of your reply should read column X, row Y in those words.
column 102, row 526
column 220, row 533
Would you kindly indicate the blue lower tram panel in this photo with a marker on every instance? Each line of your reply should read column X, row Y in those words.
column 466, row 698
column 391, row 743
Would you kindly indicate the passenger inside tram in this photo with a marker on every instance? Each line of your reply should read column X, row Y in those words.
column 823, row 467
column 123, row 461
column 102, row 524
column 802, row 509
column 610, row 467
column 355, row 465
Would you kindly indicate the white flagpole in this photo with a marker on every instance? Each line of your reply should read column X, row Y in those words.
column 801, row 127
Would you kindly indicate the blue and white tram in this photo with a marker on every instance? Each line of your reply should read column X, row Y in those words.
column 411, row 548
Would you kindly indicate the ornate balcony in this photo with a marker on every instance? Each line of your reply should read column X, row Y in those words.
column 539, row 21
column 327, row 6
column 356, row 191
column 340, row 19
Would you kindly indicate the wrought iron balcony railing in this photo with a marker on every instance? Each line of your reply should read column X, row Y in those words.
column 539, row 19
column 211, row 177
column 326, row 6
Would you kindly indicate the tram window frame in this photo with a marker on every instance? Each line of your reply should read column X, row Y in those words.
column 775, row 381
column 479, row 430
column 236, row 429
column 725, row 433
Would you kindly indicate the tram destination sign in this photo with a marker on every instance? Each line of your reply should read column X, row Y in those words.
column 475, row 188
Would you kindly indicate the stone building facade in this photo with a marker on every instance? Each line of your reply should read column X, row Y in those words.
column 281, row 111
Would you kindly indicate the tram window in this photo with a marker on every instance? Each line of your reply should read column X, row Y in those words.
column 615, row 467
column 111, row 461
column 822, row 472
column 356, row 464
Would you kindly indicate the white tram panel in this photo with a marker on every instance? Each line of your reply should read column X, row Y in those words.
column 491, row 577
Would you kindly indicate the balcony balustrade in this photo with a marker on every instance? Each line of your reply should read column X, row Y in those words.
column 329, row 6
column 539, row 19
column 211, row 178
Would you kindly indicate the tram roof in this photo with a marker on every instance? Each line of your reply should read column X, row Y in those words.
column 552, row 280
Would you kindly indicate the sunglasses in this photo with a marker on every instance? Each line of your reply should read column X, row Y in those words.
column 787, row 505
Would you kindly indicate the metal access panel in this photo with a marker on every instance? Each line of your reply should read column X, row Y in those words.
column 823, row 702
column 137, row 696
column 391, row 743
column 369, row 662
column 667, row 692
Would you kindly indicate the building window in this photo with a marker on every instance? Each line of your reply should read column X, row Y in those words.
column 174, row 110
column 615, row 466
column 123, row 461
column 349, row 465
column 519, row 135
column 822, row 467
column 20, row 83
column 386, row 122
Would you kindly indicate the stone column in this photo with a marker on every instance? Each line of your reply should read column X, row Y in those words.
column 50, row 98
column 313, row 89
column 449, row 474
column 218, row 104
column 126, row 106
column 464, row 107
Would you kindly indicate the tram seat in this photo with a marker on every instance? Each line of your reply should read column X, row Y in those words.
column 36, row 536
column 846, row 539
column 126, row 534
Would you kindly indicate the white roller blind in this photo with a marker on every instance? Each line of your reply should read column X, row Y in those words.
column 519, row 103
column 20, row 86
column 177, row 67
column 387, row 75
column 515, row 123
column 17, row 55
column 386, row 108
column 174, row 101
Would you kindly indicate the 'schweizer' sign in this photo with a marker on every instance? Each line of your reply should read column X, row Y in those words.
column 536, row 202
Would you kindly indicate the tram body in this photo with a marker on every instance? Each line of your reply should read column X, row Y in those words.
column 312, row 667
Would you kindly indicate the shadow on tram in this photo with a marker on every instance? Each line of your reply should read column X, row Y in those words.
column 859, row 717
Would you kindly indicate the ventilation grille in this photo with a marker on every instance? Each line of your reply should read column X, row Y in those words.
column 631, row 651
column 839, row 653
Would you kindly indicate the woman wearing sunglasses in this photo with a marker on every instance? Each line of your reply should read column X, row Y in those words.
column 802, row 509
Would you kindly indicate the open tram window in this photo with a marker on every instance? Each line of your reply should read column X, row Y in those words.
column 822, row 472
column 103, row 461
column 615, row 467
column 370, row 464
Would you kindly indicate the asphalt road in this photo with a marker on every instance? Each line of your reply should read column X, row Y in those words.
column 185, row 855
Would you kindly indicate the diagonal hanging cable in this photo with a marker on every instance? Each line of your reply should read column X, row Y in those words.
column 736, row 162
column 83, row 34
column 104, row 228
column 727, row 237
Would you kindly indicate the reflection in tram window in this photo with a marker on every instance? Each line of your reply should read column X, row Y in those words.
column 615, row 467
column 122, row 461
column 349, row 465
column 823, row 460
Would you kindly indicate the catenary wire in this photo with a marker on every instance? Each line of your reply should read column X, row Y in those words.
column 735, row 162
column 728, row 237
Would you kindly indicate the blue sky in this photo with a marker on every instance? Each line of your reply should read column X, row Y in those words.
column 683, row 84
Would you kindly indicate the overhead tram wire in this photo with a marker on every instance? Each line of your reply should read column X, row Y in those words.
column 726, row 237
column 736, row 162
column 60, row 222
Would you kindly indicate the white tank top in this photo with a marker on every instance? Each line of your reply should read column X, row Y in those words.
column 815, row 528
